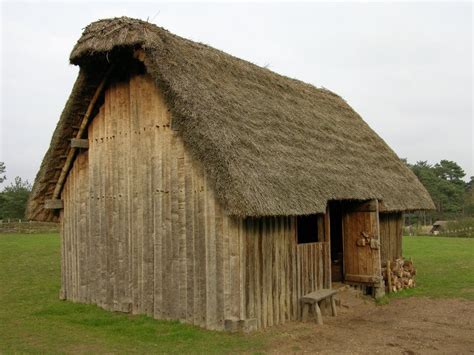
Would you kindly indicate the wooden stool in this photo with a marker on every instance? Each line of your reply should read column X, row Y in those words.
column 313, row 299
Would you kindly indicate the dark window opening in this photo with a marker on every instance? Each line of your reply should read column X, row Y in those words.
column 307, row 229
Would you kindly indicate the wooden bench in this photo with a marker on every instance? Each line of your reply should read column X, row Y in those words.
column 313, row 299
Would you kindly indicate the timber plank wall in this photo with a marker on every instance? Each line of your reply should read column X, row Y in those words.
column 143, row 233
column 391, row 230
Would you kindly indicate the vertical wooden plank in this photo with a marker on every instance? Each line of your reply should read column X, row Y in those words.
column 141, row 115
column 109, row 173
column 234, row 268
column 181, row 231
column 276, row 274
column 251, row 269
column 109, row 202
column 281, row 277
column 157, row 230
column 378, row 267
column 299, row 272
column 242, row 267
column 198, row 256
column 227, row 226
column 262, row 270
column 400, row 235
column 211, row 279
column 128, row 200
column 220, row 279
column 134, row 186
column 140, row 190
column 320, row 266
column 201, row 252
column 256, row 236
column 86, row 240
column 295, row 292
column 290, row 285
column 62, row 291
column 83, row 221
column 122, row 149
column 70, row 247
column 327, row 239
column 65, row 242
column 72, row 234
column 70, row 263
column 383, row 241
column 190, row 227
column 167, row 256
column 101, row 181
column 175, row 297
column 392, row 235
column 270, row 243
column 93, row 212
column 117, row 111
column 151, row 111
column 285, row 278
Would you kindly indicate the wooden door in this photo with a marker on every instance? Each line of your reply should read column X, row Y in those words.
column 361, row 243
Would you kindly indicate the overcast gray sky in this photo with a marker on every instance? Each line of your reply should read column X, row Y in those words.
column 405, row 67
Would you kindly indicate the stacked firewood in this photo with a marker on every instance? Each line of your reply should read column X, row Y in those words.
column 399, row 274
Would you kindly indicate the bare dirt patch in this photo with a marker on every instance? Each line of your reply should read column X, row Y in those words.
column 404, row 326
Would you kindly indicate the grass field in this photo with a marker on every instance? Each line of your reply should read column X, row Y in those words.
column 32, row 319
column 445, row 266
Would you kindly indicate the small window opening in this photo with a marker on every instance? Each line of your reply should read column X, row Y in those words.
column 307, row 229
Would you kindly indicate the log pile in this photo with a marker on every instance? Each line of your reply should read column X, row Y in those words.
column 399, row 274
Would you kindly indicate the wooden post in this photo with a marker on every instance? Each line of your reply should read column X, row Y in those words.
column 53, row 204
column 389, row 276
column 380, row 286
column 333, row 306
column 319, row 317
column 79, row 143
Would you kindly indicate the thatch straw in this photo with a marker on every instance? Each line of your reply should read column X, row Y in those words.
column 270, row 145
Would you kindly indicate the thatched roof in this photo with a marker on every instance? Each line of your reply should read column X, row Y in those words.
column 271, row 145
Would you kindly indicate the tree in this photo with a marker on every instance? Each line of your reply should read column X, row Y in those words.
column 450, row 171
column 452, row 185
column 445, row 185
column 3, row 169
column 469, row 198
column 13, row 199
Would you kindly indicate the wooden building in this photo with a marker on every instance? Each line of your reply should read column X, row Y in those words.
column 196, row 186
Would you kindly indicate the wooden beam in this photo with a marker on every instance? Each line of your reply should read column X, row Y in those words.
column 80, row 143
column 53, row 204
column 85, row 121
column 366, row 206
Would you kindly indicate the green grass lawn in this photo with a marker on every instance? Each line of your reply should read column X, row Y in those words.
column 445, row 266
column 33, row 319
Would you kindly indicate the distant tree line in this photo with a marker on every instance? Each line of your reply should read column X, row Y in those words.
column 13, row 198
column 452, row 196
